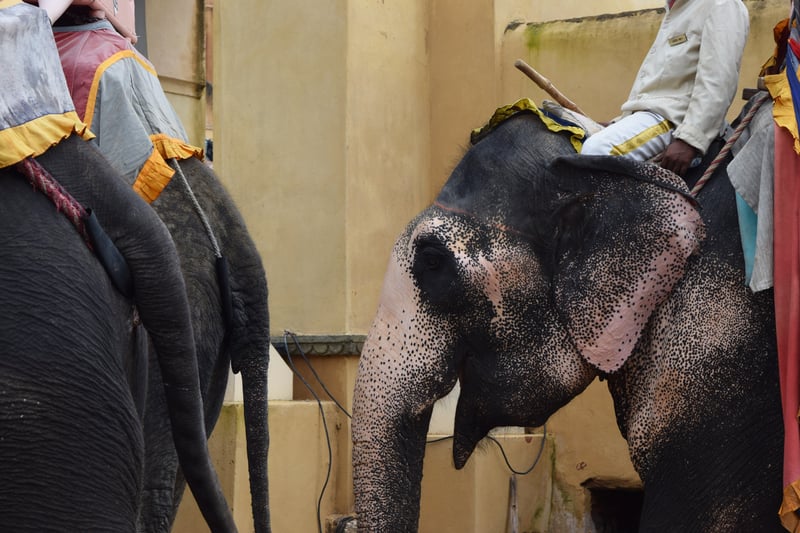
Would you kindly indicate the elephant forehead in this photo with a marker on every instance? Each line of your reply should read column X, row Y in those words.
column 452, row 231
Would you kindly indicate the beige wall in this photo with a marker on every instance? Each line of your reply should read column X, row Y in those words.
column 280, row 97
column 386, row 142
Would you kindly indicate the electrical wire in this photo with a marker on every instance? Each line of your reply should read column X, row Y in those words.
column 324, row 425
column 305, row 358
column 503, row 452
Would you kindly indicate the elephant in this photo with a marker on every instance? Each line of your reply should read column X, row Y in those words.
column 73, row 365
column 536, row 271
column 240, row 340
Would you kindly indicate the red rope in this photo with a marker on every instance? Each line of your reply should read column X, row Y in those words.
column 759, row 99
column 42, row 180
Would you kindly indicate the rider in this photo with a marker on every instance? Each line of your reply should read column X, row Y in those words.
column 684, row 86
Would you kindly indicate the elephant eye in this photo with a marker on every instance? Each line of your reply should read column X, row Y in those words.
column 431, row 259
column 435, row 273
column 430, row 255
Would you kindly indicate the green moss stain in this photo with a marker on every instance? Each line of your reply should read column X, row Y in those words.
column 533, row 36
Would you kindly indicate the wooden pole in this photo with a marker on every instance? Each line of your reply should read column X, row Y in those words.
column 547, row 86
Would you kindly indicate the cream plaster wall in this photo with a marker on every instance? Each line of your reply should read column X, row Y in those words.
column 280, row 139
column 565, row 9
column 296, row 432
column 387, row 145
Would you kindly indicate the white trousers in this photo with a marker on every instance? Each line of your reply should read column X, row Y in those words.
column 640, row 136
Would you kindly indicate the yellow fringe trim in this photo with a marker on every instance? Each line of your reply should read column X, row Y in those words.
column 8, row 3
column 782, row 109
column 789, row 507
column 526, row 104
column 34, row 137
column 156, row 173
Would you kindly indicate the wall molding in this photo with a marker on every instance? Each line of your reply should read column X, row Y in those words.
column 319, row 345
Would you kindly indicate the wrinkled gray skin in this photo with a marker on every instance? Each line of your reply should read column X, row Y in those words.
column 505, row 284
column 71, row 438
column 246, row 348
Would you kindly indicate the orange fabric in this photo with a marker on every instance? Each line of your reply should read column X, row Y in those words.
column 783, row 108
column 154, row 176
column 156, row 172
column 172, row 148
column 789, row 506
column 780, row 33
column 786, row 252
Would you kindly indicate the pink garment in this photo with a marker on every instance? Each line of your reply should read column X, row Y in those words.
column 787, row 295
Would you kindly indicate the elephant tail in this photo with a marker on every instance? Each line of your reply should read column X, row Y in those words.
column 254, row 381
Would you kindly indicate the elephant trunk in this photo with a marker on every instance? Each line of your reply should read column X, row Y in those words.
column 404, row 368
column 254, row 382
column 387, row 468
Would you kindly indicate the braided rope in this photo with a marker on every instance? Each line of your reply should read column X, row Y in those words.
column 197, row 208
column 42, row 180
column 758, row 99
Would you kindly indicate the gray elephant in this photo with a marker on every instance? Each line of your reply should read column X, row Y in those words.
column 73, row 359
column 230, row 277
column 535, row 272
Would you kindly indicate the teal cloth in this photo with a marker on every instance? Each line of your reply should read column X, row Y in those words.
column 748, row 224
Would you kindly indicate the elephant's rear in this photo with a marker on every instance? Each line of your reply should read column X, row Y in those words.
column 70, row 440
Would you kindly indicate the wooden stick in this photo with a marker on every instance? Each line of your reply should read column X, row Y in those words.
column 547, row 86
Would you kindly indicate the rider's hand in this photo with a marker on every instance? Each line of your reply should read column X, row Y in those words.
column 678, row 157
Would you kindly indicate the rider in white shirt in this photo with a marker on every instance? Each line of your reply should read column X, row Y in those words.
column 684, row 87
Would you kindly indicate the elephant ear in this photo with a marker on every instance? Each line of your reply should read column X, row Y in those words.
column 624, row 232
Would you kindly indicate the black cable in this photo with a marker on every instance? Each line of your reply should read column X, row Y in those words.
column 324, row 425
column 308, row 363
column 503, row 452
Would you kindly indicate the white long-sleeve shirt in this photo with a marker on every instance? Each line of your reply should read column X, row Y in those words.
column 691, row 73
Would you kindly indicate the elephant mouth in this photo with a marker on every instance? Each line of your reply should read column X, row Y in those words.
column 468, row 430
column 463, row 446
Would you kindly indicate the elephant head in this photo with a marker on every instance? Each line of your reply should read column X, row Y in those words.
column 529, row 275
